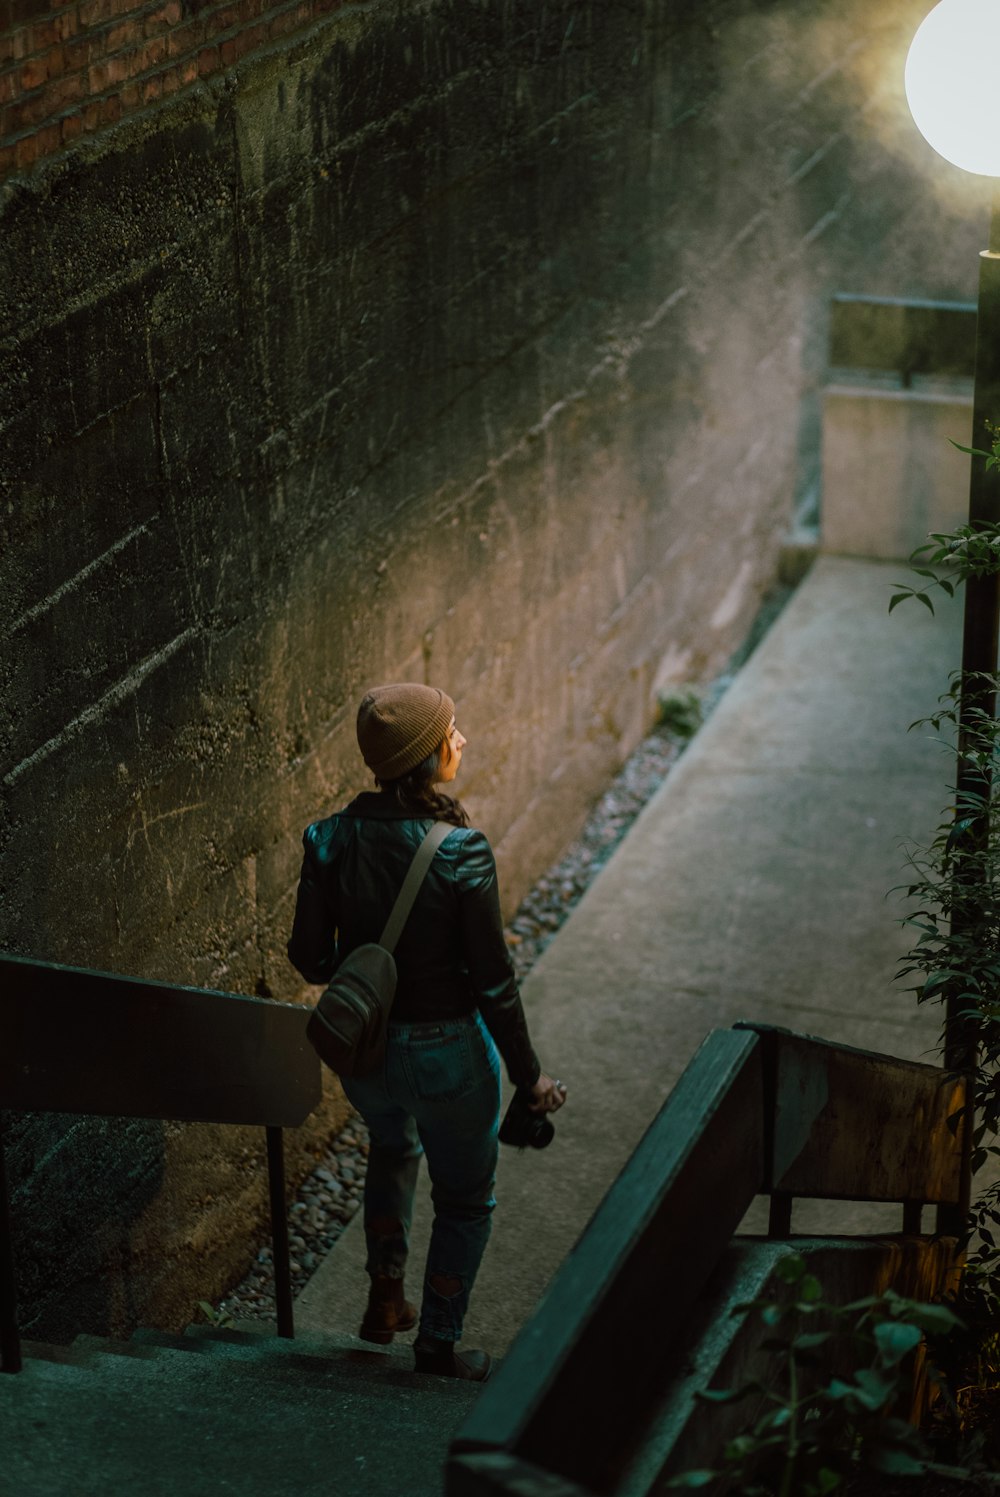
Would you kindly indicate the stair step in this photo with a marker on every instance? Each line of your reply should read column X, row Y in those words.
column 47, row 1351
column 83, row 1350
column 236, row 1419
column 277, row 1356
column 323, row 1342
column 94, row 1346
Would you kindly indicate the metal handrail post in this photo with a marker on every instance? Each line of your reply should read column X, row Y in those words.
column 279, row 1232
column 10, row 1340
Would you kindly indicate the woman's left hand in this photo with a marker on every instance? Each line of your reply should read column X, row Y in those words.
column 548, row 1095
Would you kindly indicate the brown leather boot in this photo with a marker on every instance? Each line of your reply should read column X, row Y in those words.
column 444, row 1360
column 388, row 1311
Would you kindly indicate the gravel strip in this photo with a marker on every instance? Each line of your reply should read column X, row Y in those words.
column 331, row 1195
column 325, row 1202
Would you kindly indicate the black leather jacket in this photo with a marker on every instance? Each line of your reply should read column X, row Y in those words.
column 451, row 957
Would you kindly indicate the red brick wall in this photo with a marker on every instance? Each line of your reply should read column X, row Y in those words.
column 69, row 69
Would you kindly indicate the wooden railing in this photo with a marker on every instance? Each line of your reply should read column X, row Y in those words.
column 758, row 1110
column 77, row 1041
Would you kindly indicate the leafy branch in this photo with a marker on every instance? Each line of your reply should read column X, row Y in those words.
column 967, row 551
column 954, row 894
column 842, row 1372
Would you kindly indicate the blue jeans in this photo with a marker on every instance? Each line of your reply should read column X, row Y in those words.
column 438, row 1094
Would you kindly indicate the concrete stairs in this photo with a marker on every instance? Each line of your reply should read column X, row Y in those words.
column 215, row 1412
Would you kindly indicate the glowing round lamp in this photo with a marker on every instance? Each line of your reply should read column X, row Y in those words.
column 952, row 83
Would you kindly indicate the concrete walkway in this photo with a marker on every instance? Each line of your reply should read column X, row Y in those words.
column 753, row 886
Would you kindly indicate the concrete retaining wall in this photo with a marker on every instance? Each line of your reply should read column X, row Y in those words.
column 479, row 342
column 890, row 472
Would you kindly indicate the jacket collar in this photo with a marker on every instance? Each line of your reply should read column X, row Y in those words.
column 375, row 805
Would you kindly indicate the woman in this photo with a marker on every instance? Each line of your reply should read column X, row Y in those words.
column 456, row 1003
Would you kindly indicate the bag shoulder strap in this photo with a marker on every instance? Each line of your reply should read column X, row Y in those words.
column 422, row 859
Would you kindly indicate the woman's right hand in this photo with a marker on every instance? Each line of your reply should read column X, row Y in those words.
column 547, row 1095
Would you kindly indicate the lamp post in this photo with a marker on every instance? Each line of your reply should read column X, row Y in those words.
column 952, row 91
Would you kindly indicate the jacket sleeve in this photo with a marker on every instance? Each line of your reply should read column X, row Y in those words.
column 489, row 963
column 312, row 949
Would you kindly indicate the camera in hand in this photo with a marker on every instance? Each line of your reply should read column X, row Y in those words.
column 524, row 1129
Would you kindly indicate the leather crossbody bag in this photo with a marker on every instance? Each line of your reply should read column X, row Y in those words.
column 348, row 1027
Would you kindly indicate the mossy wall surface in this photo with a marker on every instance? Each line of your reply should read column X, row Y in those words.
column 475, row 341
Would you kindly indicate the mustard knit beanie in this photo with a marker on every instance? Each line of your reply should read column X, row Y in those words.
column 398, row 726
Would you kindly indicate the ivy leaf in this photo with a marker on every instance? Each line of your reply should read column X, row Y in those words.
column 871, row 1388
column 792, row 1269
column 895, row 1339
column 689, row 1479
column 811, row 1339
column 937, row 1319
column 896, row 1462
column 773, row 1420
column 727, row 1395
column 862, row 1304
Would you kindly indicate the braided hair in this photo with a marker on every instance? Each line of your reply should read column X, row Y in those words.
column 414, row 791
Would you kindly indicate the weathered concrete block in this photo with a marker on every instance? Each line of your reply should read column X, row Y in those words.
column 890, row 472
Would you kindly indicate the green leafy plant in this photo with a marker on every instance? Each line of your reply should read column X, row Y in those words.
column 831, row 1409
column 220, row 1319
column 967, row 551
column 954, row 893
column 680, row 713
column 964, row 1423
column 815, row 1428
